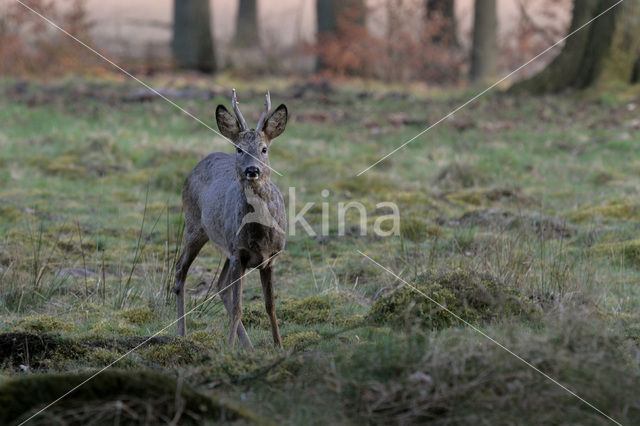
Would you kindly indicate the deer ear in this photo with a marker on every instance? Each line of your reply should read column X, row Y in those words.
column 275, row 124
column 227, row 123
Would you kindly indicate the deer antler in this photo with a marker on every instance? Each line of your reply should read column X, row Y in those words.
column 267, row 108
column 234, row 104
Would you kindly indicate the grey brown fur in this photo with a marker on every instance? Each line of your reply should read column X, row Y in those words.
column 215, row 201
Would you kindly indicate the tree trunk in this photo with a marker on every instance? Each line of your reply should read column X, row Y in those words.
column 484, row 52
column 444, row 9
column 192, row 42
column 247, row 32
column 332, row 16
column 327, row 25
column 326, row 16
column 607, row 50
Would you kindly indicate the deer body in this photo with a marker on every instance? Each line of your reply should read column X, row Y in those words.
column 230, row 200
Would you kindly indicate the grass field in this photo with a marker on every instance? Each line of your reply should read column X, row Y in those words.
column 520, row 214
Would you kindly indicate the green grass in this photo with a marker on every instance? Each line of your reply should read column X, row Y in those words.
column 520, row 214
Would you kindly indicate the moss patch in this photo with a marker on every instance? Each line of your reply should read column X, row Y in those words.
column 311, row 310
column 102, row 356
column 615, row 210
column 108, row 327
column 474, row 297
column 179, row 353
column 138, row 316
column 231, row 366
column 254, row 315
column 150, row 398
column 42, row 351
column 207, row 339
column 44, row 324
column 240, row 367
column 300, row 340
column 37, row 351
column 627, row 250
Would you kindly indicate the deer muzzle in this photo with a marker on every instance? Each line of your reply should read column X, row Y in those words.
column 252, row 173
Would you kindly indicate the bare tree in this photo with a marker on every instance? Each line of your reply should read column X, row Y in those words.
column 247, row 31
column 606, row 50
column 192, row 42
column 484, row 52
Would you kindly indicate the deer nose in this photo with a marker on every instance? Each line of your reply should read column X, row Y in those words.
column 252, row 172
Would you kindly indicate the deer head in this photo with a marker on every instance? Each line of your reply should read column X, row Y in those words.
column 252, row 145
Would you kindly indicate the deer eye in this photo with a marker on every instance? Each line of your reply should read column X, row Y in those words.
column 239, row 150
column 264, row 150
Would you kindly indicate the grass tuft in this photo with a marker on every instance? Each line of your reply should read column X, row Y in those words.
column 476, row 298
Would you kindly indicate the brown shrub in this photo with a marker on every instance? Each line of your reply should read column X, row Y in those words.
column 412, row 47
column 31, row 46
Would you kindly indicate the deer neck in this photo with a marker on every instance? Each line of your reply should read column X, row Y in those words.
column 261, row 188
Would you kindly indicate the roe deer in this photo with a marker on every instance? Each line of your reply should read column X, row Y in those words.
column 216, row 197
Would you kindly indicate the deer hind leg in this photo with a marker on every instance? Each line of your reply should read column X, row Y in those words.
column 266, row 278
column 224, row 284
column 193, row 243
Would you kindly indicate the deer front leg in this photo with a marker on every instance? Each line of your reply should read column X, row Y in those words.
column 236, row 272
column 227, row 299
column 266, row 278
